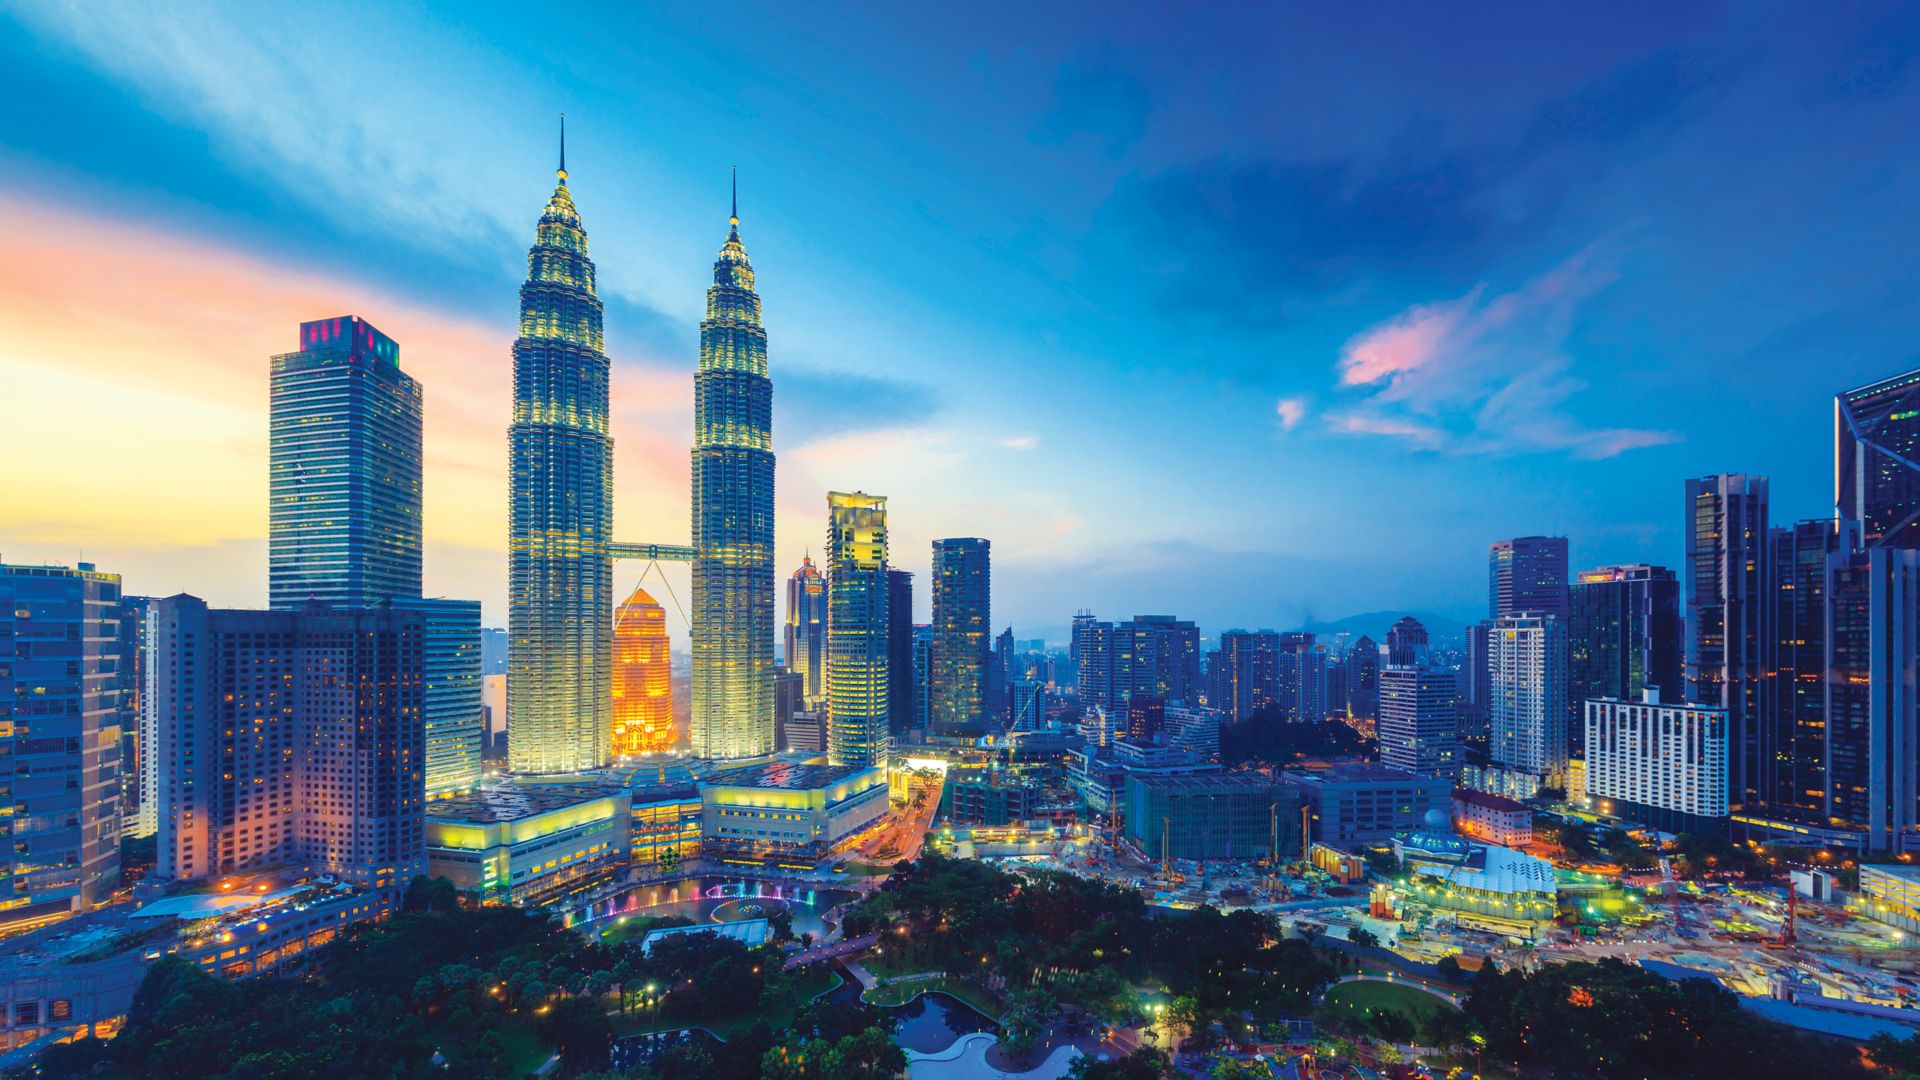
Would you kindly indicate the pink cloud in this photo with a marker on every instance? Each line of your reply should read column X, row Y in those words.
column 1291, row 411
column 1409, row 341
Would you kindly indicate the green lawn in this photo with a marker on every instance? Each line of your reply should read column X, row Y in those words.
column 1359, row 998
column 901, row 993
column 629, row 927
column 777, row 1010
column 525, row 1051
column 859, row 869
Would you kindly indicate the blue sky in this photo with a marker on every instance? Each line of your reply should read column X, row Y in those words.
column 1244, row 315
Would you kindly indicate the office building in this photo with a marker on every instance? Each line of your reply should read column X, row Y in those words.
column 1244, row 675
column 560, row 481
column 1662, row 765
column 1194, row 729
column 790, row 815
column 642, row 678
column 1797, row 578
column 806, row 642
column 63, row 672
column 962, row 597
column 732, row 637
column 1528, row 669
column 1476, row 679
column 1527, row 574
column 1729, row 626
column 530, row 844
column 1363, row 679
column 1494, row 819
column 1623, row 637
column 452, row 705
column 999, row 664
column 1354, row 804
column 1206, row 816
column 1406, row 642
column 1876, row 437
column 1419, row 724
column 857, row 698
column 290, row 737
column 902, row 686
column 344, row 458
column 1872, row 701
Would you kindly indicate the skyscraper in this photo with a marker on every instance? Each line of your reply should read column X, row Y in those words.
column 922, row 675
column 901, row 710
column 1876, row 438
column 1797, row 578
column 61, row 693
column 344, row 469
column 452, row 706
column 1528, row 667
column 806, row 641
column 1527, row 573
column 642, row 679
column 1623, row 636
column 857, row 699
column 732, row 639
column 1363, row 679
column 137, row 775
column 559, row 573
column 1245, row 675
column 1419, row 726
column 1406, row 642
column 962, row 614
column 1872, row 700
column 1091, row 650
column 1729, row 625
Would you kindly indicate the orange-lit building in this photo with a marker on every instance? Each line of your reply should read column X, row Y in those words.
column 642, row 688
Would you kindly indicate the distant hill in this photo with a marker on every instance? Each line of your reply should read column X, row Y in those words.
column 1374, row 624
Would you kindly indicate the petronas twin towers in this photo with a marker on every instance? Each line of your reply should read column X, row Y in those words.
column 560, row 550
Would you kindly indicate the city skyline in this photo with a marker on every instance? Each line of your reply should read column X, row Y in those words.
column 1388, row 316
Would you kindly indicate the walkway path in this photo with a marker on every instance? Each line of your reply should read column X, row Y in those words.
column 830, row 952
column 1456, row 999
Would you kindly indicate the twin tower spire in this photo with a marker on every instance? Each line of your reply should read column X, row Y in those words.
column 560, row 548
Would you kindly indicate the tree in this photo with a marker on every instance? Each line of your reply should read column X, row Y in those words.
column 1146, row 1063
column 1363, row 937
column 1450, row 968
column 781, row 924
column 578, row 1028
column 430, row 894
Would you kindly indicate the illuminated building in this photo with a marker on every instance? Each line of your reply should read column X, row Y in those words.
column 1243, row 675
column 139, row 772
column 788, row 814
column 452, row 696
column 1798, row 558
column 902, row 686
column 1194, row 729
column 559, row 573
column 1091, row 650
column 806, row 644
column 1872, row 702
column 1476, row 679
column 288, row 737
column 344, row 459
column 1419, row 725
column 1662, row 765
column 1527, row 573
column 1891, row 895
column 642, row 682
column 1406, row 642
column 1363, row 679
column 1495, row 819
column 1481, row 885
column 1155, row 655
column 1212, row 816
column 1358, row 803
column 962, row 614
column 1623, row 637
column 1729, row 626
column 922, row 675
column 732, row 637
column 1527, row 659
column 857, row 698
column 61, row 711
column 1876, row 436
column 1301, row 678
column 529, row 843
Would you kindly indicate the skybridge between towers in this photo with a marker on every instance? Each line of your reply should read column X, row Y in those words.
column 651, row 552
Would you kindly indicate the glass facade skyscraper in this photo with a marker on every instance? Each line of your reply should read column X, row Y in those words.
column 451, row 698
column 732, row 638
column 1876, row 439
column 1729, row 626
column 560, row 576
column 344, row 469
column 900, row 681
column 642, row 680
column 1623, row 636
column 1527, row 573
column 857, row 623
column 806, row 643
column 962, row 619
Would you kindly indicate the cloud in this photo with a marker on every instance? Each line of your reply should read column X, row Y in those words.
column 1482, row 374
column 1020, row 442
column 1291, row 411
column 1095, row 100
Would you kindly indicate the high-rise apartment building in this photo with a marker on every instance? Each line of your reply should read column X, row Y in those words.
column 962, row 614
column 642, row 677
column 452, row 697
column 1662, row 765
column 1876, row 438
column 1406, row 643
column 289, row 737
column 344, row 456
column 1623, row 637
column 857, row 698
column 63, row 672
column 806, row 641
column 922, row 675
column 1476, row 679
column 1091, row 650
column 733, row 517
column 560, row 479
column 1797, row 577
column 1729, row 626
column 1527, row 573
column 1244, row 676
column 1528, row 669
column 1419, row 724
column 137, row 775
column 901, row 686
column 1363, row 679
column 1302, row 678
